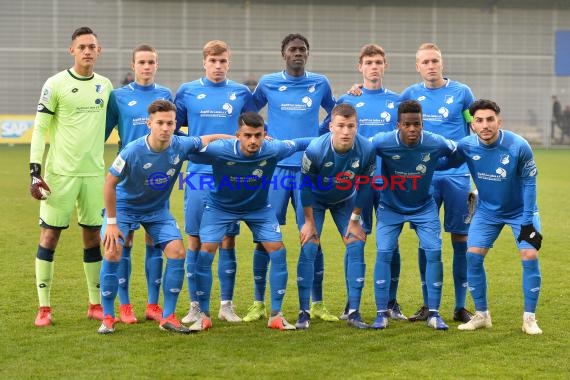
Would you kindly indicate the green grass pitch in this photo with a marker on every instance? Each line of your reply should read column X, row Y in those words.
column 73, row 349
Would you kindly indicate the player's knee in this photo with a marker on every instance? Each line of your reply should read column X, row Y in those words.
column 193, row 243
column 228, row 242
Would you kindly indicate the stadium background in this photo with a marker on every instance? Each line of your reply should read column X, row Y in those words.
column 503, row 49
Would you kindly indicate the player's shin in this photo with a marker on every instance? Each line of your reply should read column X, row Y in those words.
column 422, row 266
column 227, row 266
column 153, row 271
column 531, row 281
column 124, row 275
column 477, row 280
column 434, row 278
column 460, row 272
column 305, row 274
column 382, row 274
column 260, row 265
column 395, row 267
column 356, row 272
column 319, row 274
column 44, row 274
column 172, row 284
column 109, row 286
column 277, row 278
column 190, row 263
column 204, row 280
column 92, row 266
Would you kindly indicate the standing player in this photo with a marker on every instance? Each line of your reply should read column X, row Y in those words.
column 136, row 191
column 337, row 170
column 128, row 111
column 243, row 172
column 377, row 109
column 211, row 104
column 409, row 158
column 71, row 111
column 445, row 105
column 504, row 172
column 293, row 97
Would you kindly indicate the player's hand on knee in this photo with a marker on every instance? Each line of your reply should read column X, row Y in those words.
column 39, row 189
column 530, row 235
column 112, row 240
column 307, row 233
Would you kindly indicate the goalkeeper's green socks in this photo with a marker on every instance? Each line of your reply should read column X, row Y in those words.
column 44, row 274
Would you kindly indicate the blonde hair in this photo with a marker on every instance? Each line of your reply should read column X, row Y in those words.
column 428, row 46
column 215, row 47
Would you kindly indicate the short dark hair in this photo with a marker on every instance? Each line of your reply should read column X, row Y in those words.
column 484, row 104
column 290, row 37
column 161, row 105
column 409, row 106
column 144, row 47
column 251, row 119
column 343, row 109
column 82, row 31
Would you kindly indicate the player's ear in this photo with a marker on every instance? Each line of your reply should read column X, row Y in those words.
column 330, row 126
column 417, row 67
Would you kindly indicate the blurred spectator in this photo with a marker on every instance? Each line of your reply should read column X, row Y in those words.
column 250, row 82
column 127, row 79
column 556, row 117
column 565, row 127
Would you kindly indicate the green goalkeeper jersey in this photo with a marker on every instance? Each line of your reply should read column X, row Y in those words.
column 72, row 112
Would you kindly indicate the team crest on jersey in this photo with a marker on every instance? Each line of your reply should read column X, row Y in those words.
column 421, row 98
column 311, row 88
column 501, row 172
column 359, row 104
column 449, row 99
column 201, row 96
column 262, row 163
column 386, row 116
column 282, row 88
column 228, row 108
column 46, row 94
column 476, row 157
column 170, row 172
column 425, row 157
column 118, row 164
column 505, row 159
column 233, row 96
column 421, row 168
column 132, row 103
column 99, row 88
column 355, row 164
column 308, row 101
column 443, row 112
column 390, row 104
column 147, row 165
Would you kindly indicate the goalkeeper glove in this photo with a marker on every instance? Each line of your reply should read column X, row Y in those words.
column 472, row 201
column 38, row 187
column 530, row 235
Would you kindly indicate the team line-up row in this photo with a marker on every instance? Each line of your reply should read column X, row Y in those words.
column 371, row 132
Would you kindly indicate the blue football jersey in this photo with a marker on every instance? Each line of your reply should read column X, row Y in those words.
column 501, row 171
column 147, row 177
column 128, row 109
column 293, row 105
column 408, row 170
column 445, row 112
column 241, row 182
column 207, row 107
column 330, row 177
column 376, row 111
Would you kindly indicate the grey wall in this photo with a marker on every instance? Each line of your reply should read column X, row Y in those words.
column 503, row 49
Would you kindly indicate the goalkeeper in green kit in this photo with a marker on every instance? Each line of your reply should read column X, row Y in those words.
column 71, row 112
